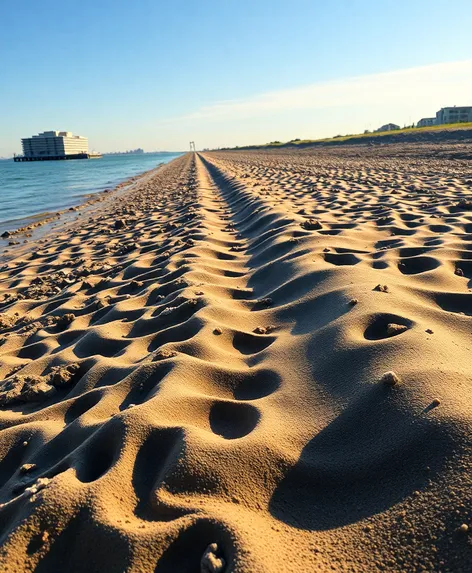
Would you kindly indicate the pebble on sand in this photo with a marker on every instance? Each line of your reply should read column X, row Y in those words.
column 390, row 379
column 263, row 329
column 381, row 288
column 217, row 331
column 25, row 468
column 394, row 329
column 39, row 484
column 464, row 528
column 211, row 562
column 45, row 537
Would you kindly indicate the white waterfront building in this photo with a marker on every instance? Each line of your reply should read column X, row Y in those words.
column 54, row 144
column 454, row 114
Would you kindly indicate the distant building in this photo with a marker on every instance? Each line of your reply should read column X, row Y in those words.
column 426, row 121
column 54, row 144
column 138, row 151
column 388, row 127
column 454, row 115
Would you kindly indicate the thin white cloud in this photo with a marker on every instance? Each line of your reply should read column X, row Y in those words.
column 438, row 84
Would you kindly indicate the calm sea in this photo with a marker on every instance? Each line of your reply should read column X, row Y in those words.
column 30, row 188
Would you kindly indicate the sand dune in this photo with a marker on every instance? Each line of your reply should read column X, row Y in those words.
column 249, row 362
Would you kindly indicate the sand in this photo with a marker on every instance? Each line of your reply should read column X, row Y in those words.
column 249, row 362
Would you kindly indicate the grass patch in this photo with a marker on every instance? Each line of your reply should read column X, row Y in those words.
column 340, row 138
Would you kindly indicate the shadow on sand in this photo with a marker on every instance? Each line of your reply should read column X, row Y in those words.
column 373, row 455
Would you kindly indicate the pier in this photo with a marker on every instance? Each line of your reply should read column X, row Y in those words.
column 57, row 157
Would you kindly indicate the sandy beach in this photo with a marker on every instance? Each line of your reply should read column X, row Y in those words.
column 247, row 361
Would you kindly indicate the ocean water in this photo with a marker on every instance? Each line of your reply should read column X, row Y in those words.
column 30, row 188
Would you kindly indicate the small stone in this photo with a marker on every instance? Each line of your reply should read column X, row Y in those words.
column 394, row 329
column 217, row 331
column 120, row 223
column 459, row 272
column 353, row 302
column 25, row 468
column 6, row 234
column 211, row 562
column 25, row 444
column 435, row 403
column 429, row 331
column 381, row 288
column 39, row 484
column 168, row 310
column 390, row 379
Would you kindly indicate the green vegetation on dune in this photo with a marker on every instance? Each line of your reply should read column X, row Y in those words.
column 340, row 138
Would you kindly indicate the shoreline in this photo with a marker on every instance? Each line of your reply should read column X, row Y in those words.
column 34, row 227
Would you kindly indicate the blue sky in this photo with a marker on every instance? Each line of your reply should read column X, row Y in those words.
column 158, row 74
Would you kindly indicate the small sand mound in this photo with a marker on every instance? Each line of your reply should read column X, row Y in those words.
column 7, row 321
column 61, row 376
column 311, row 225
column 20, row 389
column 65, row 320
column 164, row 354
